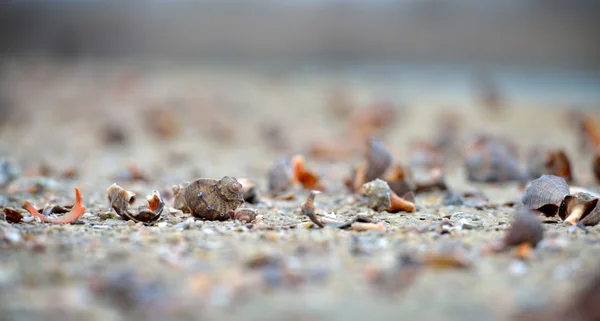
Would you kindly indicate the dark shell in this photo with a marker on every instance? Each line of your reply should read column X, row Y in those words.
column 378, row 193
column 551, row 162
column 586, row 200
column 280, row 176
column 213, row 199
column 596, row 166
column 12, row 216
column 526, row 227
column 545, row 194
column 400, row 179
column 490, row 161
column 378, row 159
column 250, row 191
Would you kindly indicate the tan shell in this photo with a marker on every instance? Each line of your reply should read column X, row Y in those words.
column 245, row 215
column 545, row 194
column 280, row 176
column 211, row 199
column 378, row 193
column 526, row 227
column 588, row 202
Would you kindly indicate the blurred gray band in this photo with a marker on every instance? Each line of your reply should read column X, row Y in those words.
column 514, row 32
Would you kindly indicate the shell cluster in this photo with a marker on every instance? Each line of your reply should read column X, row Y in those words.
column 550, row 195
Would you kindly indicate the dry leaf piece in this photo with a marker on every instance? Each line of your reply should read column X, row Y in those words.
column 306, row 178
column 76, row 211
column 210, row 199
column 545, row 194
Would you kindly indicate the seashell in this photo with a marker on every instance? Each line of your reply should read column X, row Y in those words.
column 280, row 176
column 490, row 159
column 551, row 162
column 76, row 211
column 12, row 216
column 381, row 198
column 526, row 227
column 245, row 215
column 249, row 191
column 377, row 161
column 596, row 166
column 308, row 208
column 288, row 171
column 577, row 207
column 306, row 178
column 400, row 180
column 120, row 200
column 211, row 199
column 545, row 194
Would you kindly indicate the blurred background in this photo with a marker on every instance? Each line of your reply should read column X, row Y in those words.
column 244, row 71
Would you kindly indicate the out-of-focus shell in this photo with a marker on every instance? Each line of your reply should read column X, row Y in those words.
column 378, row 159
column 587, row 201
column 378, row 195
column 545, row 194
column 526, row 227
column 551, row 162
column 492, row 160
column 245, row 215
column 280, row 176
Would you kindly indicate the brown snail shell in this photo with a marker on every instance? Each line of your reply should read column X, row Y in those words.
column 545, row 194
column 245, row 215
column 211, row 199
column 381, row 198
column 526, row 227
column 578, row 207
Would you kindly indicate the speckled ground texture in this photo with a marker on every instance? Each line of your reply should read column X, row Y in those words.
column 106, row 268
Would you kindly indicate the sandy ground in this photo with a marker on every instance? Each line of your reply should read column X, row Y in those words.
column 105, row 268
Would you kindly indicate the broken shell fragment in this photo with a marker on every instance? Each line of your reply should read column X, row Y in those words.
column 249, row 191
column 245, row 215
column 120, row 199
column 400, row 180
column 210, row 199
column 526, row 227
column 280, row 176
column 381, row 198
column 12, row 216
column 577, row 207
column 306, row 178
column 377, row 161
column 308, row 208
column 596, row 166
column 545, row 194
column 551, row 162
column 76, row 211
